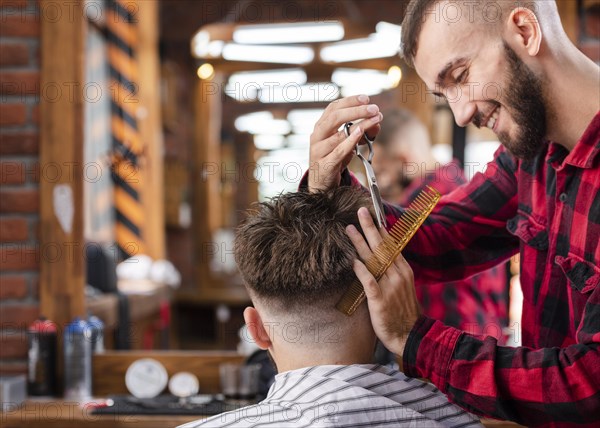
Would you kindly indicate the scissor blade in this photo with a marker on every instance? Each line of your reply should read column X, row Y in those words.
column 378, row 204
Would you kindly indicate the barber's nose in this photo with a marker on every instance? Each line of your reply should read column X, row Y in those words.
column 463, row 111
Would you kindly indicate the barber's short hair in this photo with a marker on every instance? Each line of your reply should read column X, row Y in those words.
column 417, row 12
column 293, row 251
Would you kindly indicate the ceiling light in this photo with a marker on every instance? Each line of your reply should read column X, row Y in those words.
column 267, row 53
column 359, row 49
column 244, row 86
column 357, row 77
column 262, row 123
column 369, row 82
column 303, row 32
column 303, row 120
column 243, row 123
column 365, row 89
column 292, row 93
column 269, row 141
column 389, row 30
column 215, row 48
column 394, row 75
column 200, row 43
column 206, row 71
column 268, row 78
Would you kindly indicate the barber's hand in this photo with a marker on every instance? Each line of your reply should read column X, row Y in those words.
column 393, row 304
column 331, row 150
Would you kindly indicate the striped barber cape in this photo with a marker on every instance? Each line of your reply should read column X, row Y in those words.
column 346, row 396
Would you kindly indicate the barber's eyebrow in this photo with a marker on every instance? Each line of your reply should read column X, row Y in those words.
column 442, row 76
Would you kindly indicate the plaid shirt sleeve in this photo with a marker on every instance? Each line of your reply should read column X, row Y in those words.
column 533, row 387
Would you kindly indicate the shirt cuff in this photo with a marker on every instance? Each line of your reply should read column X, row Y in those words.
column 428, row 351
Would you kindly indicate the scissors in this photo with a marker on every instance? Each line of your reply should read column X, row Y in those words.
column 371, row 180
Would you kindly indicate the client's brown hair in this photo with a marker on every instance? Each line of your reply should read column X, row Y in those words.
column 294, row 248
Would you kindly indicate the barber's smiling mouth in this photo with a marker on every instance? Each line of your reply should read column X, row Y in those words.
column 492, row 120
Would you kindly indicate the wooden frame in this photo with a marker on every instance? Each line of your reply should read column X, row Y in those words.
column 62, row 269
column 61, row 136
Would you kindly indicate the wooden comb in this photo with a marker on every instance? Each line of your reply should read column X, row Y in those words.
column 386, row 252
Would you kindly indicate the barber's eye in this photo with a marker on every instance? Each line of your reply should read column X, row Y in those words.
column 462, row 76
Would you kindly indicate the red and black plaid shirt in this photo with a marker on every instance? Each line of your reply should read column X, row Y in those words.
column 477, row 305
column 548, row 210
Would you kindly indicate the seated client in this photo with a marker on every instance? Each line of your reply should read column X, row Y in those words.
column 296, row 261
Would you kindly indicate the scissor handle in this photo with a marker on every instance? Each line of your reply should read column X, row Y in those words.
column 369, row 141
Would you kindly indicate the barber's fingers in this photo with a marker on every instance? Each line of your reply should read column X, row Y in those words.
column 368, row 281
column 400, row 270
column 370, row 230
column 340, row 152
column 362, row 248
column 341, row 111
column 320, row 149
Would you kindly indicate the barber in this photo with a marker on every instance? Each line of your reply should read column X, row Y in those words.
column 539, row 197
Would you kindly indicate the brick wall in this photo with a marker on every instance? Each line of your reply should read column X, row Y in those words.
column 19, row 197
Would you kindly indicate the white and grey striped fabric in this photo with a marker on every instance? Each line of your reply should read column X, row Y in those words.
column 346, row 396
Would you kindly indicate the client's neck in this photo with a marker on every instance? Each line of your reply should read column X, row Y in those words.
column 297, row 356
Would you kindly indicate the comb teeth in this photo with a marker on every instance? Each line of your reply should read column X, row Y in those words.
column 386, row 252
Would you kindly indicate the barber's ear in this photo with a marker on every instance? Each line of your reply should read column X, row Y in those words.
column 524, row 31
column 256, row 328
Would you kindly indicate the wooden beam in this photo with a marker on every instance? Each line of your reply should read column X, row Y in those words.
column 61, row 148
column 207, row 168
column 150, row 128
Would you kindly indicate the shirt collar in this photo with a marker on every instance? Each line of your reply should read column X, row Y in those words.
column 587, row 149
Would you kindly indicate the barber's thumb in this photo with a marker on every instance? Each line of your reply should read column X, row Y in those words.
column 368, row 281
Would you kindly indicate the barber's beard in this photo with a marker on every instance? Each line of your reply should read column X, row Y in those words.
column 523, row 100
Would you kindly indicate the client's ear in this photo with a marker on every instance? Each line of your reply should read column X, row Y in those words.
column 256, row 328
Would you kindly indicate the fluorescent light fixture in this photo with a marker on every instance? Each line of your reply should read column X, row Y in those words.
column 203, row 47
column 293, row 93
column 280, row 171
column 215, row 48
column 389, row 30
column 262, row 123
column 385, row 42
column 369, row 82
column 303, row 120
column 200, row 43
column 359, row 49
column 244, row 86
column 357, row 77
column 269, row 141
column 268, row 53
column 302, row 32
column 366, row 89
column 269, row 78
column 243, row 123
